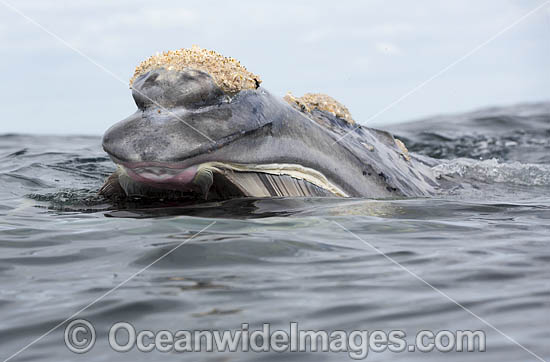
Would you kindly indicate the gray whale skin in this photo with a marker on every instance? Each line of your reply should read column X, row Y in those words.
column 190, row 139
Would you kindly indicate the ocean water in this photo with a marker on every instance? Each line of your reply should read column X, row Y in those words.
column 476, row 257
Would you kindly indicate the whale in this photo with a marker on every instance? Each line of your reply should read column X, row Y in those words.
column 206, row 129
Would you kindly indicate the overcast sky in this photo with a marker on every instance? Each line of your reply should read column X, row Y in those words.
column 366, row 54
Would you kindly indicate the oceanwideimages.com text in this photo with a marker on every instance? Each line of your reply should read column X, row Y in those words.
column 80, row 337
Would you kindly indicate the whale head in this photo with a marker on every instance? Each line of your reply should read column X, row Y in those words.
column 204, row 128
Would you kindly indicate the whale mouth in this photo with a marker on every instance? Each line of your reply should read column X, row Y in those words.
column 162, row 175
column 220, row 180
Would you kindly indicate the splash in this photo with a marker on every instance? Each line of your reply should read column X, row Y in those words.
column 492, row 171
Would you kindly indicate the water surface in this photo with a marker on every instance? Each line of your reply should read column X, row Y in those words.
column 485, row 244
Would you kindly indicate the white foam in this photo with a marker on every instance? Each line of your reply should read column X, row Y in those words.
column 492, row 171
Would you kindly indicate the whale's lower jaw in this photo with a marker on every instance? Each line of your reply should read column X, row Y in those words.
column 217, row 180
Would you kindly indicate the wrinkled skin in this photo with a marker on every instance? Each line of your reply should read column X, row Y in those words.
column 199, row 123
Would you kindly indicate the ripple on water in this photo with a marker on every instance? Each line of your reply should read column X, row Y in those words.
column 276, row 260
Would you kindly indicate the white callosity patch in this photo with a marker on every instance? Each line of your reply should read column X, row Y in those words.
column 323, row 102
column 228, row 73
column 403, row 148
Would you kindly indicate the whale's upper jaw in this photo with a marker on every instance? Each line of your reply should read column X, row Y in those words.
column 181, row 114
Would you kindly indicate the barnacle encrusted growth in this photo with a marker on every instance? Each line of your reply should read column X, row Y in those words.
column 403, row 148
column 310, row 101
column 228, row 73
